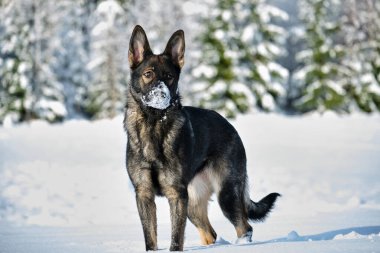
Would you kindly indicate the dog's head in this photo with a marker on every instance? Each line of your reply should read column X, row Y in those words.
column 154, row 78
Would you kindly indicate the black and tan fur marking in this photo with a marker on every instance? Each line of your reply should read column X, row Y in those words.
column 183, row 153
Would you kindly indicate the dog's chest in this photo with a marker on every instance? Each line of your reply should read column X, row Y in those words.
column 153, row 141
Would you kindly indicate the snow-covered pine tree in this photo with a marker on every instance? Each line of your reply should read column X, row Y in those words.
column 108, row 64
column 263, row 42
column 291, row 46
column 2, row 28
column 322, row 79
column 15, row 64
column 237, row 66
column 70, row 54
column 48, row 91
column 27, row 79
column 361, row 33
column 215, row 69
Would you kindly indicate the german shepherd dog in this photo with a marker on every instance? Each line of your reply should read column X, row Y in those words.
column 183, row 153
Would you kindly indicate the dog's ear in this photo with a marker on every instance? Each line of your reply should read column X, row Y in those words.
column 138, row 47
column 176, row 48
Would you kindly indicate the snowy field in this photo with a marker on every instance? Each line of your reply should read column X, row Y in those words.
column 64, row 188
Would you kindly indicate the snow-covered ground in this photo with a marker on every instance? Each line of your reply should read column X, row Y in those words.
column 64, row 188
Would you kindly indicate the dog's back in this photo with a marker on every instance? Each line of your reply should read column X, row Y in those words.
column 214, row 136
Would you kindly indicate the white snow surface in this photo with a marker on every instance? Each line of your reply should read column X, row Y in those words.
column 64, row 187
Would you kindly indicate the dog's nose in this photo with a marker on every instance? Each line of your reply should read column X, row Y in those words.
column 160, row 84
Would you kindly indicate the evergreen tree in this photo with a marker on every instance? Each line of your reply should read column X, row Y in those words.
column 361, row 33
column 238, row 66
column 2, row 91
column 322, row 79
column 105, row 94
column 70, row 53
column 14, row 65
column 27, row 79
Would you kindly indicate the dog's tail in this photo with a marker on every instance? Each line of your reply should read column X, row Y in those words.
column 259, row 211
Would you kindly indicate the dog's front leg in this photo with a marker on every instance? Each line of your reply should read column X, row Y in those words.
column 177, row 197
column 147, row 212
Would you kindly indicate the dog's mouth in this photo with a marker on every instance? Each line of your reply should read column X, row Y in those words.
column 158, row 97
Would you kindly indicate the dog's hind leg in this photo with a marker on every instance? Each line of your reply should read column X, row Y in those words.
column 199, row 192
column 232, row 202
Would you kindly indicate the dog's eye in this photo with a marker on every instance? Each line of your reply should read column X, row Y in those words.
column 148, row 74
column 169, row 76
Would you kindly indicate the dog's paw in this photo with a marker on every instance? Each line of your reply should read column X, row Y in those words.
column 244, row 239
column 176, row 247
column 151, row 248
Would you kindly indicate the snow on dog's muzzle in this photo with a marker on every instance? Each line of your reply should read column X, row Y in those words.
column 158, row 97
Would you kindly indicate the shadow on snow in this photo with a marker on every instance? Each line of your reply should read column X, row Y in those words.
column 294, row 237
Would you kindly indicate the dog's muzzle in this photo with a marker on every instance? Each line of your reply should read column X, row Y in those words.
column 158, row 97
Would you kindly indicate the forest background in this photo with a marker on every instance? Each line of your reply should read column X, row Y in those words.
column 64, row 59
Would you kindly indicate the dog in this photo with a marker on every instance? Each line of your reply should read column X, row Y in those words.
column 183, row 153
